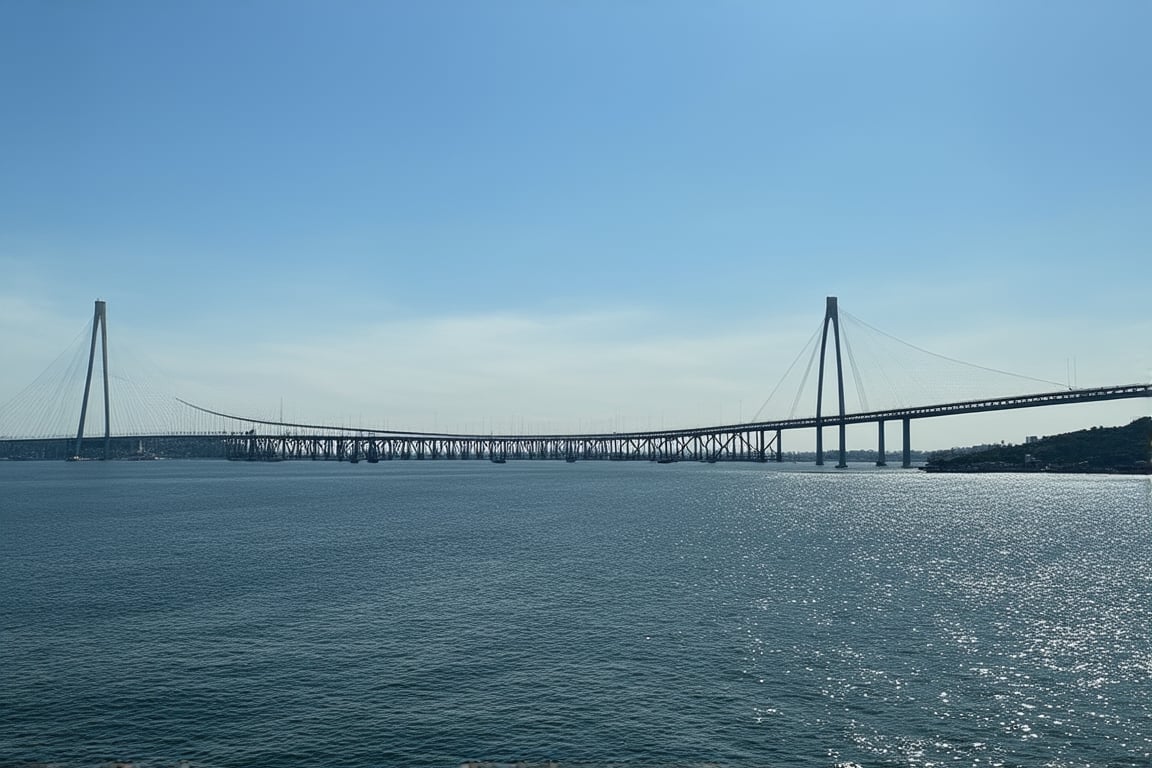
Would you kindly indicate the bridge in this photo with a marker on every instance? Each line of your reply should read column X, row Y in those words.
column 236, row 436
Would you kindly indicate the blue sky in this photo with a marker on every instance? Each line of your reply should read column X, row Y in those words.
column 574, row 214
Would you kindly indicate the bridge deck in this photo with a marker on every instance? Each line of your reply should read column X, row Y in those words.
column 1095, row 394
column 756, row 441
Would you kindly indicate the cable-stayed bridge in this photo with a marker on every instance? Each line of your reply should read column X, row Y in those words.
column 131, row 417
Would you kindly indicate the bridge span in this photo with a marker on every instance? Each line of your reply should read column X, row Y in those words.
column 757, row 441
column 761, row 441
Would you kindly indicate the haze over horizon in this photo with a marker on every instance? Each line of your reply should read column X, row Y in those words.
column 596, row 216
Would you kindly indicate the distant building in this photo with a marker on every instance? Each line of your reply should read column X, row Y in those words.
column 1031, row 439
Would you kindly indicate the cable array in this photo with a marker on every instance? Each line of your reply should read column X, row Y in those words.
column 141, row 399
column 883, row 372
column 886, row 373
column 899, row 374
column 47, row 406
column 810, row 345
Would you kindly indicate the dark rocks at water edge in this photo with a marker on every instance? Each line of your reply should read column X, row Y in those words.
column 1123, row 450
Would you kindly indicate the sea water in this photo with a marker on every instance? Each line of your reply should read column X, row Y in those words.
column 432, row 613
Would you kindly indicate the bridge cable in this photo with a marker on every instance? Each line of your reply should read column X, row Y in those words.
column 855, row 370
column 899, row 401
column 807, row 373
column 39, row 409
column 951, row 359
column 772, row 394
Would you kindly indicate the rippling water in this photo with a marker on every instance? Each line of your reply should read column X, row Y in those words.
column 428, row 614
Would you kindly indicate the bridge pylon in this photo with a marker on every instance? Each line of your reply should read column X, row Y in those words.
column 831, row 315
column 99, row 323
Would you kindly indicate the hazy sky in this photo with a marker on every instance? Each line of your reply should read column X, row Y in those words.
column 562, row 215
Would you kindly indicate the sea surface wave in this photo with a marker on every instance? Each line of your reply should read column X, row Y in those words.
column 217, row 614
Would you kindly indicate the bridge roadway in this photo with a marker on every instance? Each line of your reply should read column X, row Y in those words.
column 756, row 441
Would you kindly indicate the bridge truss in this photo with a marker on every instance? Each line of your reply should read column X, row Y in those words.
column 731, row 446
column 761, row 441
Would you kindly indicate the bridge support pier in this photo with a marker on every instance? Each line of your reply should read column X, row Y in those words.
column 907, row 443
column 779, row 447
column 843, row 451
column 881, row 457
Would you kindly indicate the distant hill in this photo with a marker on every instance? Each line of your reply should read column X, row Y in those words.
column 1117, row 450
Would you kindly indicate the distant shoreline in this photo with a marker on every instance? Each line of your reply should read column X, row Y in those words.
column 974, row 470
column 1125, row 450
